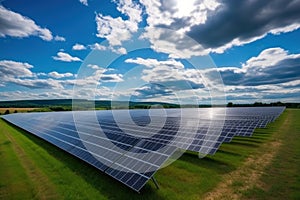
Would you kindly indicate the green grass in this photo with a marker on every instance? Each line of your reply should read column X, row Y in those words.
column 187, row 178
column 14, row 182
column 281, row 179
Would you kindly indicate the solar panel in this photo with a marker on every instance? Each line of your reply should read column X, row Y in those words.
column 132, row 148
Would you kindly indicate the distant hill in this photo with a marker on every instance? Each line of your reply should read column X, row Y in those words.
column 66, row 104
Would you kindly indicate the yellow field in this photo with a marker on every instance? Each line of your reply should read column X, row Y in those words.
column 11, row 110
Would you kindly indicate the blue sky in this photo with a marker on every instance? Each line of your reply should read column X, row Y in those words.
column 193, row 51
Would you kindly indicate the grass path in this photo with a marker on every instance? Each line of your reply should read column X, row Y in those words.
column 249, row 177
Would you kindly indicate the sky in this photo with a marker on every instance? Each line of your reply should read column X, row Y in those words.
column 192, row 51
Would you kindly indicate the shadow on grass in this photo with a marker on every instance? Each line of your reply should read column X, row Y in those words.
column 210, row 163
column 263, row 132
column 242, row 143
column 254, row 140
column 229, row 152
column 106, row 185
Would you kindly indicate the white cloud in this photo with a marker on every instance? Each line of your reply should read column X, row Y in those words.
column 65, row 57
column 100, row 74
column 184, row 14
column 20, row 74
column 115, row 49
column 216, row 25
column 78, row 47
column 59, row 38
column 169, row 70
column 84, row 2
column 41, row 74
column 23, row 95
column 113, row 29
column 97, row 46
column 117, row 30
column 96, row 67
column 152, row 63
column 120, row 50
column 230, row 25
column 113, row 78
column 9, row 69
column 271, row 66
column 164, row 17
column 58, row 75
column 37, row 83
column 15, row 25
column 270, row 76
column 267, row 58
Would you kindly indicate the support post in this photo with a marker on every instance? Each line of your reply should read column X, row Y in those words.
column 155, row 182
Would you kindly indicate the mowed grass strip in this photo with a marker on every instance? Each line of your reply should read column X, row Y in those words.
column 14, row 182
column 187, row 178
column 281, row 178
column 43, row 189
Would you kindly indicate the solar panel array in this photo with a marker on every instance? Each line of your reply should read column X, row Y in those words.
column 131, row 148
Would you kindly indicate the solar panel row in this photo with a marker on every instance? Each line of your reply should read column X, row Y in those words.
column 131, row 148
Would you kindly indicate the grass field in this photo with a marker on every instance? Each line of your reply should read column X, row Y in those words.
column 265, row 166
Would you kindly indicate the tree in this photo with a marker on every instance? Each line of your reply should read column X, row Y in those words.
column 6, row 112
column 230, row 104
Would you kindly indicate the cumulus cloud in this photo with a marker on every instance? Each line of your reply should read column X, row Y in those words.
column 115, row 49
column 102, row 75
column 170, row 73
column 37, row 83
column 97, row 77
column 266, row 93
column 117, row 30
column 178, row 15
column 111, row 78
column 165, row 16
column 273, row 74
column 216, row 25
column 59, row 38
column 97, row 46
column 271, row 66
column 20, row 74
column 59, row 75
column 48, row 94
column 150, row 91
column 15, row 25
column 95, row 67
column 62, row 56
column 78, row 47
column 235, row 24
column 151, row 63
column 9, row 69
column 84, row 2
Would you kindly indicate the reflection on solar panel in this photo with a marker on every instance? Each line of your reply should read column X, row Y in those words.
column 131, row 148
